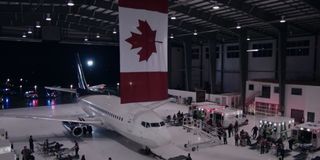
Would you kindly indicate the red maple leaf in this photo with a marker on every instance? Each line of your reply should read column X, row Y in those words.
column 145, row 40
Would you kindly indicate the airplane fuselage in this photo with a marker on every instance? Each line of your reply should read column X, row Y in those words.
column 131, row 120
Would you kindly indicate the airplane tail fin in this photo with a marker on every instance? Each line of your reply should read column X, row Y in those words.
column 82, row 84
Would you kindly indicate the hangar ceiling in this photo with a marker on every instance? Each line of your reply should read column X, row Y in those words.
column 97, row 20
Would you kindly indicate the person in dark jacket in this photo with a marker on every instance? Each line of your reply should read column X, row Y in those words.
column 236, row 126
column 236, row 138
column 83, row 157
column 76, row 148
column 224, row 137
column 230, row 129
column 291, row 141
column 254, row 132
column 31, row 144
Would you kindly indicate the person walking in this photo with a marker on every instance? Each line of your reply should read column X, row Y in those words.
column 31, row 146
column 291, row 141
column 254, row 132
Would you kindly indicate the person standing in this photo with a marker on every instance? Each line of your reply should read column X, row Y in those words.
column 291, row 141
column 83, row 157
column 76, row 148
column 255, row 132
column 109, row 158
column 282, row 151
column 225, row 137
column 31, row 144
column 189, row 157
column 236, row 138
column 236, row 126
column 25, row 153
column 230, row 128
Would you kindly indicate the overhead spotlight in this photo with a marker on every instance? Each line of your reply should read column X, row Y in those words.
column 98, row 35
column 70, row 3
column 248, row 39
column 173, row 17
column 85, row 38
column 171, row 36
column 282, row 19
column 24, row 35
column 48, row 18
column 114, row 31
column 29, row 31
column 238, row 26
column 195, row 32
column 38, row 24
column 216, row 6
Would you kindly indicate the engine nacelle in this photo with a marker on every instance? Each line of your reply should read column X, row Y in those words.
column 75, row 129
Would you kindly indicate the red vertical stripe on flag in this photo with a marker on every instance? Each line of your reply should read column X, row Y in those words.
column 143, row 86
column 152, row 5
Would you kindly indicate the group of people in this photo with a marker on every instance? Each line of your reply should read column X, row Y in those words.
column 176, row 118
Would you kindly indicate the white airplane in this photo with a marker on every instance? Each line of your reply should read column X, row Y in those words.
column 136, row 121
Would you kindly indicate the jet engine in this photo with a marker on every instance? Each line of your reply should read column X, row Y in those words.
column 75, row 129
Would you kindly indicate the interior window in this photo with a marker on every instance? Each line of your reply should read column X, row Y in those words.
column 162, row 123
column 143, row 124
column 147, row 125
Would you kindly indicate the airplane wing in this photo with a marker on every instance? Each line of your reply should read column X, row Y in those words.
column 60, row 113
column 62, row 89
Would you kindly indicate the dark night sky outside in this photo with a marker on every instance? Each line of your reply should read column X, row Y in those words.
column 48, row 64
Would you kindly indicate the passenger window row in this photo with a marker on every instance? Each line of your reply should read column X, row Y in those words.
column 147, row 125
column 114, row 116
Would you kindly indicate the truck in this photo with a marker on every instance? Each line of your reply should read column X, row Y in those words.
column 307, row 135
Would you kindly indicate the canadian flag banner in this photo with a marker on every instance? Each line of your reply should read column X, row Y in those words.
column 143, row 50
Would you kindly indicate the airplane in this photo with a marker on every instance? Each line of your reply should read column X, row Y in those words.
column 136, row 121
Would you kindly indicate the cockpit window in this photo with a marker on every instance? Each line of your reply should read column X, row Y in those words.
column 147, row 125
column 155, row 125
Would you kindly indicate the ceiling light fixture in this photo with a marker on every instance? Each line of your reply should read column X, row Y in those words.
column 238, row 26
column 248, row 39
column 216, row 6
column 173, row 17
column 195, row 32
column 38, row 24
column 114, row 31
column 48, row 18
column 98, row 35
column 85, row 38
column 29, row 31
column 282, row 19
column 24, row 35
column 171, row 36
column 70, row 3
